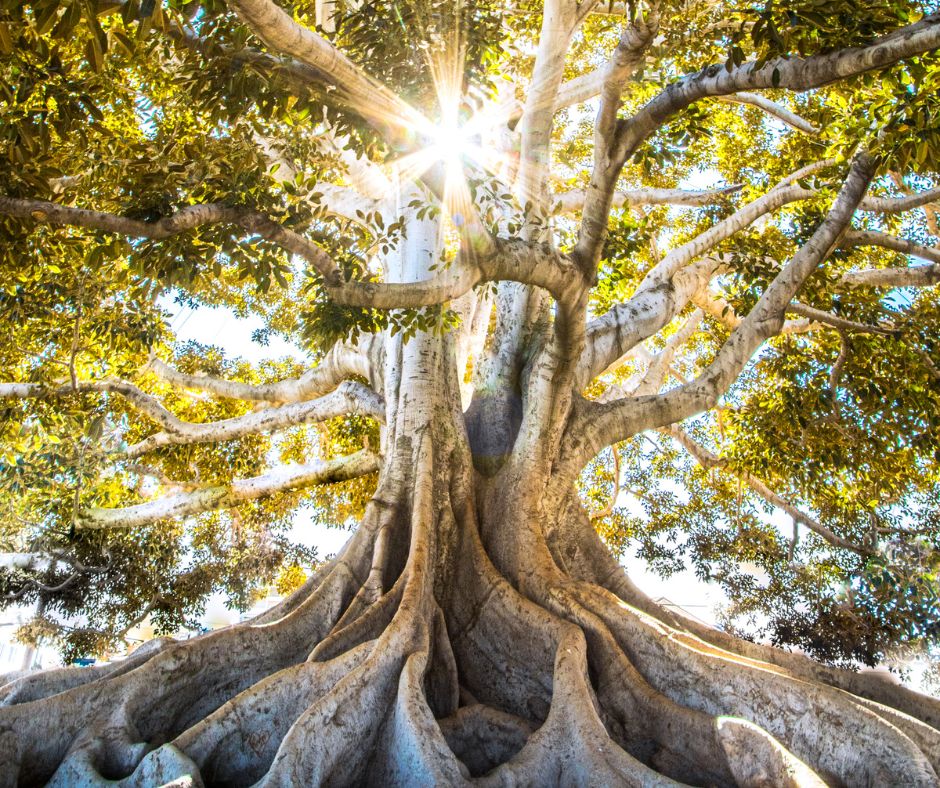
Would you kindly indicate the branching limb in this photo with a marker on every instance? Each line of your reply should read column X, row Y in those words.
column 139, row 400
column 188, row 218
column 560, row 19
column 809, row 169
column 913, row 276
column 709, row 461
column 682, row 255
column 224, row 496
column 491, row 259
column 573, row 201
column 650, row 380
column 812, row 319
column 509, row 260
column 615, row 332
column 719, row 308
column 359, row 91
column 340, row 363
column 349, row 397
column 611, row 336
column 580, row 89
column 772, row 108
column 790, row 73
column 634, row 41
column 900, row 204
column 600, row 425
column 829, row 319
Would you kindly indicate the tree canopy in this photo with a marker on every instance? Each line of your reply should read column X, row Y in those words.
column 158, row 153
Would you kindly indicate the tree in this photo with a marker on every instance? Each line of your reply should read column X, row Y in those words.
column 481, row 220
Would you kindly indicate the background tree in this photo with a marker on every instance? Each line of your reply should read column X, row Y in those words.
column 703, row 235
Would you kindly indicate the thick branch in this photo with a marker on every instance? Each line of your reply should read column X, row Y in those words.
column 613, row 422
column 350, row 397
column 559, row 21
column 900, row 204
column 340, row 363
column 791, row 73
column 774, row 199
column 778, row 111
column 913, row 276
column 634, row 41
column 365, row 95
column 509, row 260
column 225, row 496
column 187, row 218
column 573, row 201
column 719, row 308
column 621, row 327
column 648, row 311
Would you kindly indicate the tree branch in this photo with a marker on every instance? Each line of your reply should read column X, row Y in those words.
column 365, row 95
column 226, row 496
column 188, row 218
column 340, row 363
column 573, row 201
column 139, row 400
column 349, row 397
column 635, row 39
column 778, row 111
column 899, row 204
column 791, row 73
column 716, row 306
column 560, row 18
column 659, row 298
column 827, row 318
column 599, row 425
column 911, row 276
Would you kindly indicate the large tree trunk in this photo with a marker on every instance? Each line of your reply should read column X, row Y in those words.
column 473, row 629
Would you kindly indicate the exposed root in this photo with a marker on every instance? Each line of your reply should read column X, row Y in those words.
column 577, row 548
column 412, row 750
column 801, row 714
column 483, row 737
column 368, row 626
column 236, row 744
column 503, row 643
column 41, row 684
column 109, row 723
column 572, row 747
